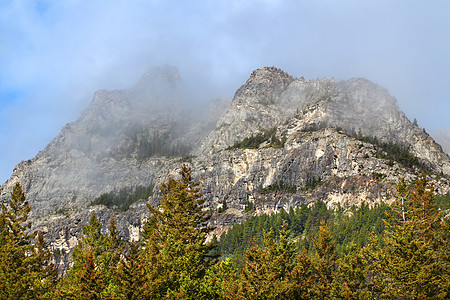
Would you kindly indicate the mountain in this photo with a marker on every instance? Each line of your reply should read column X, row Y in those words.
column 282, row 141
column 118, row 141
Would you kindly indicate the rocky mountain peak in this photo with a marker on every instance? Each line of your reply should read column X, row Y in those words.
column 161, row 85
column 269, row 73
column 264, row 86
column 271, row 97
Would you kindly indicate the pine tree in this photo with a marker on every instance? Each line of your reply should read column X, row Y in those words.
column 130, row 274
column 104, row 251
column 221, row 281
column 175, row 256
column 415, row 259
column 25, row 268
column 301, row 277
column 352, row 273
column 267, row 270
column 325, row 265
column 87, row 283
column 373, row 255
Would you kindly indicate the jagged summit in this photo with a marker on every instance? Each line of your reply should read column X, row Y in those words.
column 272, row 74
column 271, row 97
column 264, row 86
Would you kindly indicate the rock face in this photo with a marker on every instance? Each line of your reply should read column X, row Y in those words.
column 144, row 135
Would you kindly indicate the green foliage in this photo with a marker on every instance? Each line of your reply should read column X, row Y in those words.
column 443, row 201
column 145, row 144
column 223, row 208
column 122, row 200
column 95, row 263
column 250, row 206
column 406, row 257
column 352, row 272
column 351, row 226
column 378, row 176
column 415, row 262
column 266, row 274
column 279, row 186
column 130, row 278
column 25, row 268
column 253, row 142
column 175, row 258
column 307, row 253
column 325, row 265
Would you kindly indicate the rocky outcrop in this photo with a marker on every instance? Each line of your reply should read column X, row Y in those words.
column 144, row 135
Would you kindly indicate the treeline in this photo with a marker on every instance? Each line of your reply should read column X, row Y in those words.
column 122, row 199
column 350, row 226
column 292, row 255
column 253, row 142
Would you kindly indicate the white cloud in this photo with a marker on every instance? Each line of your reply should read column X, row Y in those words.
column 54, row 54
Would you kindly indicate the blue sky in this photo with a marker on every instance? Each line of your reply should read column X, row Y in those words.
column 55, row 53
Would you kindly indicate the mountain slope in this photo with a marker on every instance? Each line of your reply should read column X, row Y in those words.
column 123, row 139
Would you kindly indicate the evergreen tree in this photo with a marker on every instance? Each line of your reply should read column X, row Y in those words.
column 221, row 281
column 130, row 276
column 95, row 261
column 325, row 265
column 352, row 274
column 301, row 277
column 267, row 270
column 373, row 258
column 175, row 256
column 87, row 282
column 25, row 268
column 415, row 259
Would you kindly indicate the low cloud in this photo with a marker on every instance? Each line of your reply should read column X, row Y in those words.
column 55, row 54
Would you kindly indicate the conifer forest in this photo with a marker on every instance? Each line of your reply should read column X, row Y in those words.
column 397, row 251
